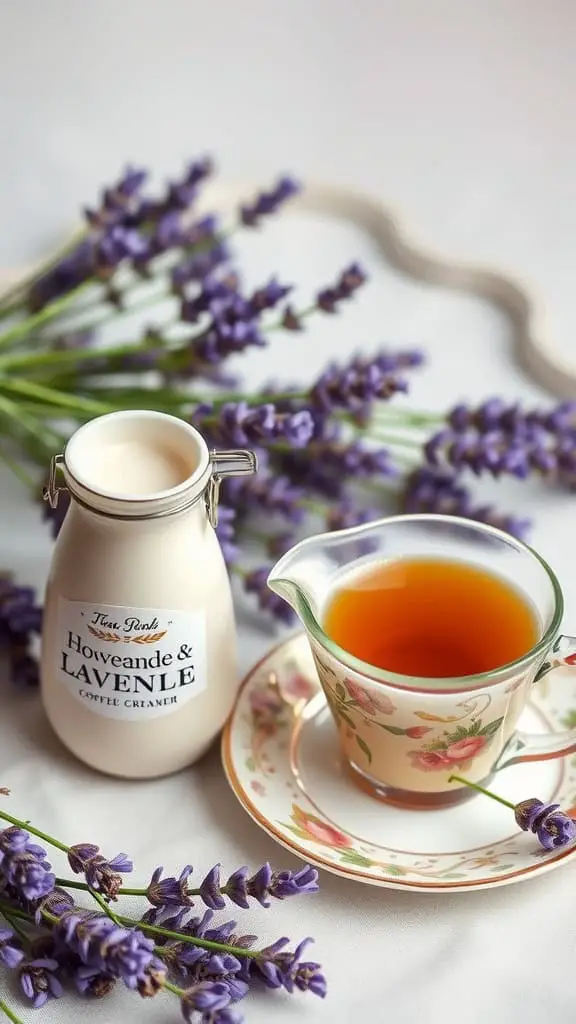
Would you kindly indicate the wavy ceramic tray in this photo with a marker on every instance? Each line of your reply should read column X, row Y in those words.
column 534, row 350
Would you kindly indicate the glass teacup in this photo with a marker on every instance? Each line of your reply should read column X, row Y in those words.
column 403, row 737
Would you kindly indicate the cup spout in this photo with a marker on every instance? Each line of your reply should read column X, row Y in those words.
column 295, row 580
column 287, row 589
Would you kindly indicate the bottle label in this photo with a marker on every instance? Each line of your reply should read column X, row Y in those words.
column 131, row 663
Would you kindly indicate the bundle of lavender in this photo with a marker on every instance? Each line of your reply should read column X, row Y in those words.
column 50, row 941
column 333, row 452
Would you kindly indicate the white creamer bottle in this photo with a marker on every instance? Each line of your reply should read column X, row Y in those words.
column 138, row 669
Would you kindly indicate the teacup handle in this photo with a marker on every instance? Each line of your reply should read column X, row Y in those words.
column 525, row 746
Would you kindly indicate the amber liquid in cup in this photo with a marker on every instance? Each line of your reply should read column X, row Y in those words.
column 431, row 618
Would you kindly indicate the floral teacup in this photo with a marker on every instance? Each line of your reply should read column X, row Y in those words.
column 404, row 738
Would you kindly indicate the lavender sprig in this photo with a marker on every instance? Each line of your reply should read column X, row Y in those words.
column 552, row 827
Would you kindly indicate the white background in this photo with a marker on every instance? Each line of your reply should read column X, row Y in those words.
column 459, row 114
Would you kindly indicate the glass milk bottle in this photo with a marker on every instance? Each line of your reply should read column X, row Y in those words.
column 138, row 668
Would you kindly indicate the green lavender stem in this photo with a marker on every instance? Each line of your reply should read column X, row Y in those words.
column 480, row 789
column 59, row 399
column 35, row 832
column 218, row 947
column 150, row 929
column 10, row 1013
column 36, row 320
column 11, row 299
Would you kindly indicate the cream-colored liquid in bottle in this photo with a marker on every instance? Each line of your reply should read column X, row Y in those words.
column 138, row 668
column 135, row 467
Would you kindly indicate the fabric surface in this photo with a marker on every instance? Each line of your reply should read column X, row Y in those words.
column 461, row 116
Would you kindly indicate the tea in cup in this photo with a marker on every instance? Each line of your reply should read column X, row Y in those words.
column 428, row 633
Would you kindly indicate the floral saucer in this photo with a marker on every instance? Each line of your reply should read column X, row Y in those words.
column 281, row 758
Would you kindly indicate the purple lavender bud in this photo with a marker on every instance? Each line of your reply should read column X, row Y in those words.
column 39, row 980
column 237, row 888
column 10, row 954
column 169, row 892
column 206, row 997
column 221, row 965
column 214, row 297
column 329, row 299
column 268, row 296
column 267, row 203
column 119, row 244
column 23, row 865
column 101, row 875
column 280, row 969
column 183, row 192
column 120, row 202
column 198, row 267
column 12, row 840
column 291, row 321
column 267, row 493
column 255, row 582
column 210, row 889
column 297, row 428
column 562, row 418
column 89, row 981
column 293, row 883
column 552, row 826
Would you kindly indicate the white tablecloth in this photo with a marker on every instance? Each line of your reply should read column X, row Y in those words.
column 463, row 116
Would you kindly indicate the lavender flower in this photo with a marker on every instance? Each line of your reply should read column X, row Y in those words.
column 23, row 865
column 441, row 492
column 255, row 582
column 235, row 319
column 117, row 952
column 120, row 200
column 280, row 969
column 350, row 280
column 267, row 203
column 505, row 439
column 263, row 886
column 199, row 266
column 272, row 494
column 101, row 875
column 241, row 424
column 183, row 192
column 39, row 980
column 355, row 459
column 169, row 892
column 89, row 981
column 207, row 998
column 354, row 386
column 552, row 826
column 10, row 954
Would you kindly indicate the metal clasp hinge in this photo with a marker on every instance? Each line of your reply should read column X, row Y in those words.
column 52, row 490
column 239, row 462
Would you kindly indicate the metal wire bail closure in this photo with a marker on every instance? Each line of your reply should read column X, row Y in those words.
column 51, row 490
column 234, row 462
